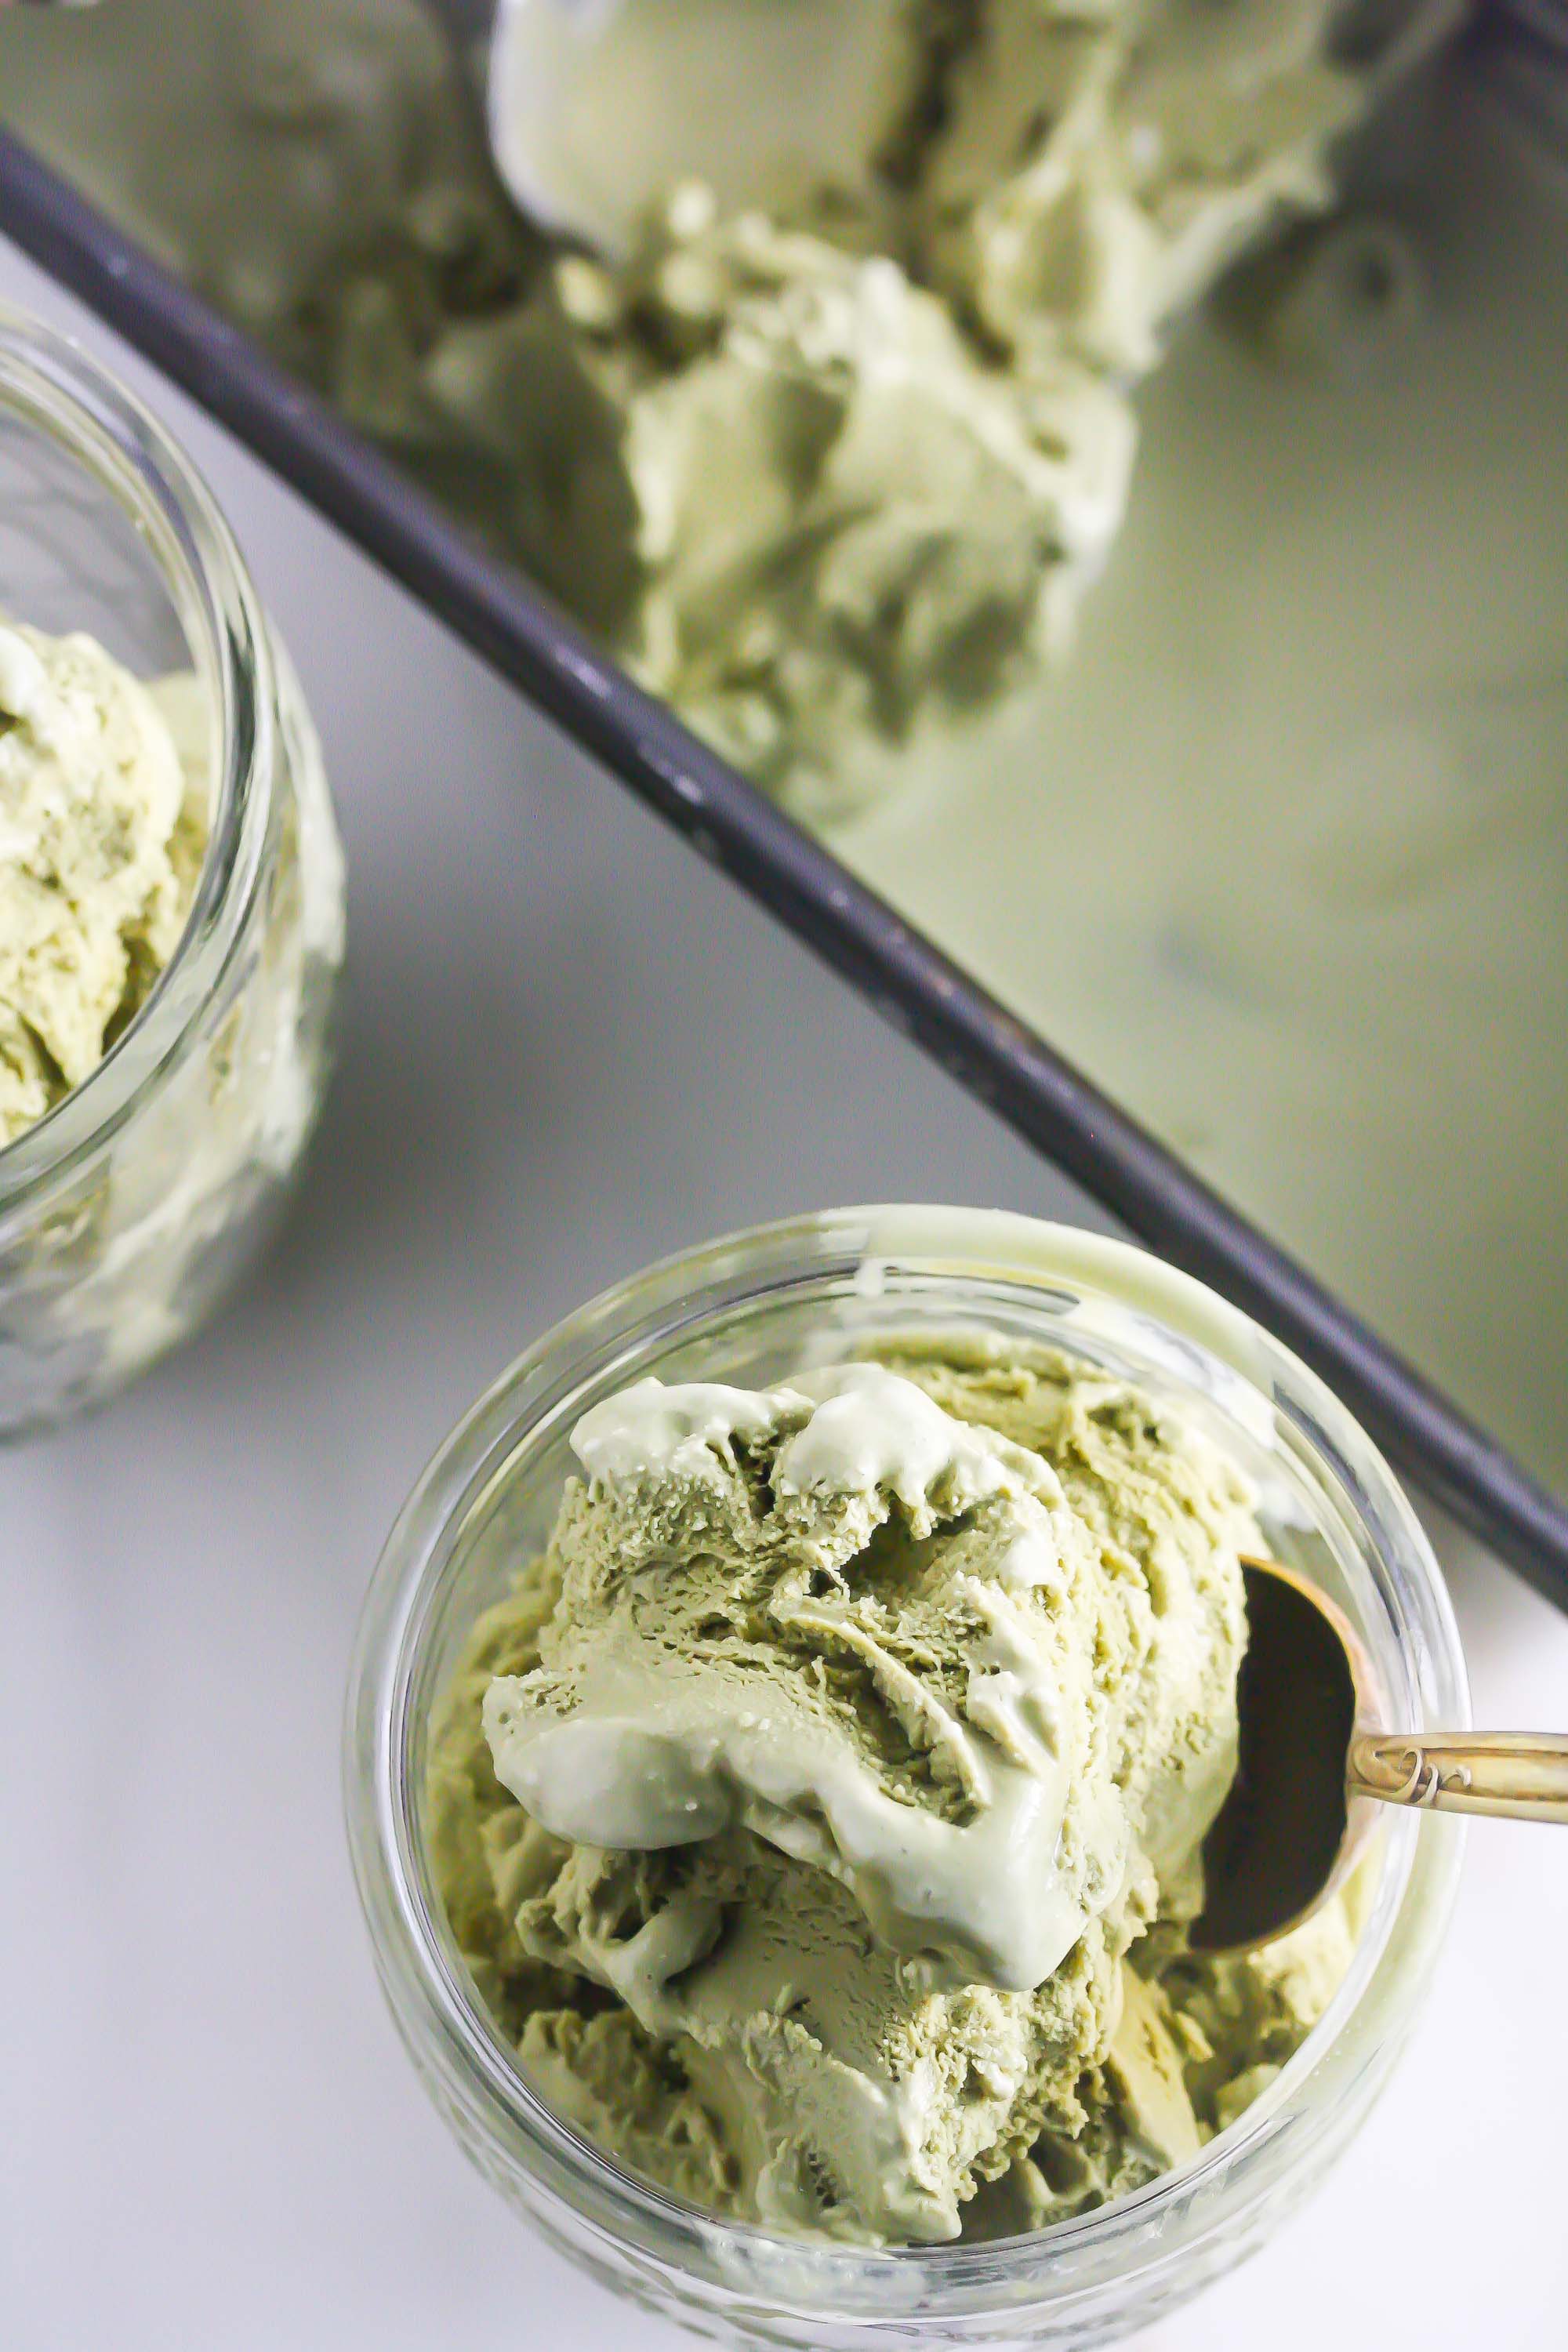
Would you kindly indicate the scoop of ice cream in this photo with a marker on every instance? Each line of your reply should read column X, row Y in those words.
column 1098, row 168
column 837, row 1616
column 95, row 863
column 834, row 448
column 1054, row 180
column 853, row 2095
column 848, row 1753
column 811, row 512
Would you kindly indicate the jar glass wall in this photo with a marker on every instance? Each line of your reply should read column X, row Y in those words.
column 127, row 1212
column 745, row 1310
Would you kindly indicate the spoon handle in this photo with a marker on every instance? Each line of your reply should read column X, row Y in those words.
column 1522, row 1775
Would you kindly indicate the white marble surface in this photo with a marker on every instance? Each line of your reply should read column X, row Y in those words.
column 567, row 1046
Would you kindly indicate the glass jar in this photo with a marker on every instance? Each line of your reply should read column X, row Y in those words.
column 127, row 1212
column 746, row 1309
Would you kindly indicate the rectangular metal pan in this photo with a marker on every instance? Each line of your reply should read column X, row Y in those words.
column 1010, row 1069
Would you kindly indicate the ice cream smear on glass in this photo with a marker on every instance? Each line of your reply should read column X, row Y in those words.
column 819, row 1813
column 103, row 827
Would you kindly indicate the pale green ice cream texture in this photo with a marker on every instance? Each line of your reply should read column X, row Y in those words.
column 830, row 460
column 101, row 839
column 836, row 471
column 818, row 1815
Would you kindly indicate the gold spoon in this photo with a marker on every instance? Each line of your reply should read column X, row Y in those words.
column 1299, row 1816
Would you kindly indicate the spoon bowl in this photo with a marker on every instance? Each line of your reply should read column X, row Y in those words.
column 1311, row 1763
column 1281, row 1841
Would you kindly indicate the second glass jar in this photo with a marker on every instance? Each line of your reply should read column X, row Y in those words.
column 127, row 1212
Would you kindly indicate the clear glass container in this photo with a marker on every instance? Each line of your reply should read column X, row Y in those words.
column 127, row 1212
column 746, row 1309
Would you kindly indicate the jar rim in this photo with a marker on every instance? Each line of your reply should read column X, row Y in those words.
column 49, row 381
column 480, row 2077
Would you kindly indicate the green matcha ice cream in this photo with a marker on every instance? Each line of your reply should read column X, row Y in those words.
column 831, row 439
column 804, row 1814
column 98, row 852
column 834, row 462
